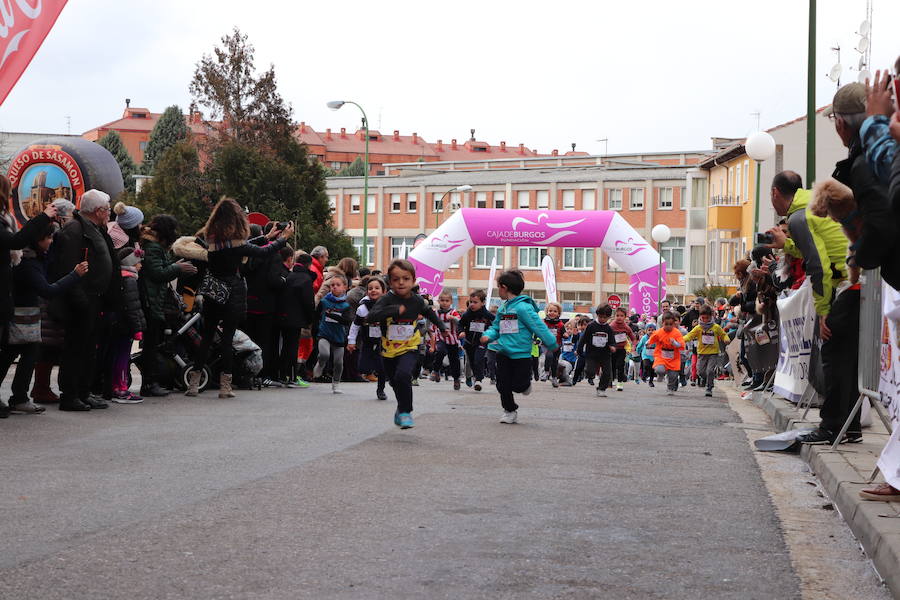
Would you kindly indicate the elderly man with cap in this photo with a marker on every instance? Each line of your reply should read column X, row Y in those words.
column 83, row 238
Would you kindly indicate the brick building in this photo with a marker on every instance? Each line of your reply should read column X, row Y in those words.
column 647, row 189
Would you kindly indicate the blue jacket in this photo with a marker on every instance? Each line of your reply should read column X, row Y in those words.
column 335, row 317
column 645, row 350
column 519, row 320
column 879, row 146
column 570, row 356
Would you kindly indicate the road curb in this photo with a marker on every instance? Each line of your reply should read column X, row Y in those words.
column 843, row 473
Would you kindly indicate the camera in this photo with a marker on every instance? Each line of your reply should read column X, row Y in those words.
column 281, row 225
column 764, row 239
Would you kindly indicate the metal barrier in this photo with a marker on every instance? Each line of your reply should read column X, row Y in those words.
column 869, row 370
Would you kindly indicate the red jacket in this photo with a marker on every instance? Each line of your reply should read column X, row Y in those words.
column 317, row 269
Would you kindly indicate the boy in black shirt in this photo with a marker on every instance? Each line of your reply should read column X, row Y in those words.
column 597, row 343
column 474, row 322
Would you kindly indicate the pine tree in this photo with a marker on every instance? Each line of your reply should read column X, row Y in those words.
column 168, row 131
column 112, row 142
column 355, row 169
column 178, row 188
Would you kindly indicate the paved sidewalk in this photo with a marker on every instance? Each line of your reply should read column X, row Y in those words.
column 843, row 473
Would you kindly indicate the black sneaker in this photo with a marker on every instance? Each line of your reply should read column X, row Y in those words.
column 153, row 391
column 73, row 405
column 4, row 411
column 852, row 437
column 817, row 437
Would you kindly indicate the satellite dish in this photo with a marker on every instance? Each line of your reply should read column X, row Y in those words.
column 863, row 45
column 835, row 73
column 863, row 75
column 865, row 28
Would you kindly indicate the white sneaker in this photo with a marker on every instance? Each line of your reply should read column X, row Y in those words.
column 554, row 382
column 619, row 387
column 527, row 392
column 509, row 418
column 335, row 389
column 601, row 393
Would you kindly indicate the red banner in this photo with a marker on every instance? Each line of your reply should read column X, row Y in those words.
column 23, row 26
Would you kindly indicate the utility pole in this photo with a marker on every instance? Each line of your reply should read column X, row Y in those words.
column 811, row 98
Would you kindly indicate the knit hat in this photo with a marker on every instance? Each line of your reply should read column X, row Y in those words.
column 128, row 217
column 129, row 257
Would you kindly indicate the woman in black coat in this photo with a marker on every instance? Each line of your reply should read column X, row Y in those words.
column 227, row 232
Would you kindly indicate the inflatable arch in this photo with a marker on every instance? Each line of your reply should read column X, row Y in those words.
column 605, row 229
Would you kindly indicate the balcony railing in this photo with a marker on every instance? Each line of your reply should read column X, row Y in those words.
column 725, row 201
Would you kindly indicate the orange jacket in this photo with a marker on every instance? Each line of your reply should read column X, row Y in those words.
column 666, row 353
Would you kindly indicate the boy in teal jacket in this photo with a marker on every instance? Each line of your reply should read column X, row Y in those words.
column 516, row 322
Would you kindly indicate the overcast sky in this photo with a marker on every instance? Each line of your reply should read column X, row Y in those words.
column 651, row 75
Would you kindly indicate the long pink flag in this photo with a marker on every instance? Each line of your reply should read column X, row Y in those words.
column 23, row 26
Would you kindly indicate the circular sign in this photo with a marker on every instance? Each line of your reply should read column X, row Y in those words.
column 614, row 302
column 256, row 218
column 40, row 175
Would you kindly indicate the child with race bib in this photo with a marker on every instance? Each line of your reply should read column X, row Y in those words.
column 567, row 357
column 397, row 312
column 367, row 338
column 335, row 315
column 708, row 334
column 622, row 334
column 597, row 344
column 473, row 324
column 667, row 355
column 516, row 323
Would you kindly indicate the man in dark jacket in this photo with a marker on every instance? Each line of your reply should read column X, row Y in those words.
column 84, row 238
column 296, row 310
column 264, row 284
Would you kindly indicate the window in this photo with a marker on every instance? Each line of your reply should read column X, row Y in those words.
column 370, row 253
column 581, row 298
column 539, row 297
column 568, row 199
column 636, row 199
column 332, row 202
column 485, row 254
column 436, row 204
column 673, row 253
column 588, row 199
column 499, row 199
column 665, row 199
column 530, row 258
column 336, row 165
column 682, row 195
column 739, row 182
column 698, row 267
column 524, row 199
column 455, row 201
column 615, row 199
column 746, row 181
column 370, row 204
column 354, row 203
column 398, row 250
column 543, row 200
column 480, row 199
column 578, row 258
column 395, row 203
column 142, row 146
column 411, row 202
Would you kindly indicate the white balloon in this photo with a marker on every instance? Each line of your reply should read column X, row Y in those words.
column 661, row 233
column 760, row 146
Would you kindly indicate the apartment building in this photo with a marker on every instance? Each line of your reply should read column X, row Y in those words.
column 645, row 189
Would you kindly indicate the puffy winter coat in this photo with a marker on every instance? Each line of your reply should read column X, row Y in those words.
column 157, row 270
column 132, row 317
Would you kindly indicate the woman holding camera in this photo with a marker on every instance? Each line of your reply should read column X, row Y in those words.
column 225, row 299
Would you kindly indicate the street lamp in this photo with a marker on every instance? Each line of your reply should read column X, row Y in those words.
column 459, row 188
column 334, row 105
column 760, row 146
column 660, row 234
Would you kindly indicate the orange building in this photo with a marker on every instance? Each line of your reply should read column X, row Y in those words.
column 333, row 149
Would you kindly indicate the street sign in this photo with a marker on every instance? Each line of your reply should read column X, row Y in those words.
column 256, row 218
column 614, row 302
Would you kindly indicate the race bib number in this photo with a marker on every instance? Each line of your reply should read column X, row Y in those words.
column 708, row 339
column 476, row 327
column 400, row 333
column 509, row 324
column 668, row 354
column 762, row 338
column 568, row 346
column 621, row 337
column 374, row 331
column 600, row 340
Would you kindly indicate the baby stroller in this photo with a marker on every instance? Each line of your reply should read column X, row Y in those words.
column 181, row 339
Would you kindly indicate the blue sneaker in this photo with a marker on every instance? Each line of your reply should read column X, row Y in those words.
column 406, row 421
column 397, row 419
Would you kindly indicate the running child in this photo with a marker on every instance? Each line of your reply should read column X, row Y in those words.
column 516, row 323
column 473, row 324
column 597, row 344
column 368, row 337
column 667, row 355
column 556, row 327
column 397, row 312
column 623, row 334
column 646, row 350
column 708, row 336
column 334, row 316
column 567, row 357
column 446, row 340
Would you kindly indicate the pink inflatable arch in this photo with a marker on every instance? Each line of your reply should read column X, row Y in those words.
column 605, row 229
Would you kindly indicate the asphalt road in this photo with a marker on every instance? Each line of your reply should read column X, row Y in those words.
column 302, row 494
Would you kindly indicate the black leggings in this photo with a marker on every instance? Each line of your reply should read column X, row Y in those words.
column 399, row 370
column 451, row 351
column 618, row 365
column 512, row 376
column 213, row 314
